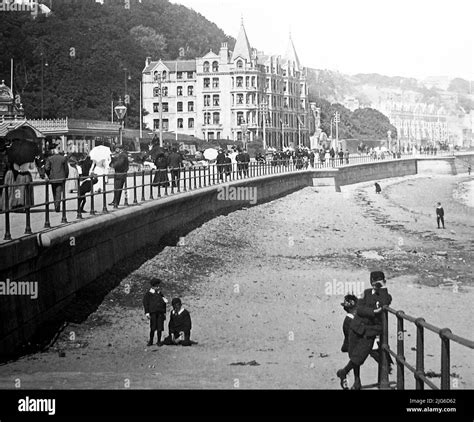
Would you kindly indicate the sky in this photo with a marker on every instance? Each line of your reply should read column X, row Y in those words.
column 410, row 38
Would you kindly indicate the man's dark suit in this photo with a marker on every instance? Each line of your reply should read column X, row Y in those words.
column 57, row 169
column 175, row 161
column 120, row 165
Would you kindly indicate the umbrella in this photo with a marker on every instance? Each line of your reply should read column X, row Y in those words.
column 210, row 154
column 100, row 153
column 22, row 151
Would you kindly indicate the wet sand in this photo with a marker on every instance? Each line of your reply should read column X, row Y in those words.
column 263, row 286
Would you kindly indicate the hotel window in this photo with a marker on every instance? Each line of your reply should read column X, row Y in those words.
column 179, row 75
column 210, row 136
column 165, row 107
column 190, row 123
column 240, row 117
column 207, row 82
column 215, row 100
column 247, row 80
column 156, row 91
column 164, row 91
column 190, row 90
column 156, row 75
column 239, row 81
column 240, row 64
column 215, row 67
column 239, row 136
column 191, row 106
column 215, row 82
column 156, row 107
column 206, row 67
column 180, row 123
column 165, row 124
column 156, row 123
column 190, row 75
column 215, row 118
column 207, row 118
column 240, row 98
column 207, row 100
column 179, row 91
column 253, row 81
column 218, row 135
column 179, row 106
column 164, row 74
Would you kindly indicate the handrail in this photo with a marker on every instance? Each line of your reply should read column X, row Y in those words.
column 418, row 370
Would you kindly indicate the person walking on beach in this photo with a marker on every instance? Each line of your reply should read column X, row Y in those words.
column 440, row 215
column 378, row 189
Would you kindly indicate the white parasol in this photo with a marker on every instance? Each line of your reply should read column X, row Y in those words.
column 100, row 153
column 210, row 154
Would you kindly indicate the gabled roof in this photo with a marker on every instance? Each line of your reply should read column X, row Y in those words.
column 242, row 46
column 7, row 126
column 182, row 65
column 291, row 55
column 211, row 55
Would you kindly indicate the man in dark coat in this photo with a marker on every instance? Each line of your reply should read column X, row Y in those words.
column 440, row 215
column 120, row 164
column 154, row 304
column 175, row 162
column 220, row 162
column 366, row 326
column 57, row 169
column 245, row 161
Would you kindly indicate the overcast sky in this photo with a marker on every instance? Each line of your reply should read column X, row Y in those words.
column 415, row 38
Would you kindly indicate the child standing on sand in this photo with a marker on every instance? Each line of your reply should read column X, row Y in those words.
column 155, row 309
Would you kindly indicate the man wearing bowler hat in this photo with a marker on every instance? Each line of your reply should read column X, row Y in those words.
column 366, row 326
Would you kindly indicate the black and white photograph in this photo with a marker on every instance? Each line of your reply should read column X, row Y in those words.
column 228, row 196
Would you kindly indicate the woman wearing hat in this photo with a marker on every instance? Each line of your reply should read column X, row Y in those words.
column 366, row 326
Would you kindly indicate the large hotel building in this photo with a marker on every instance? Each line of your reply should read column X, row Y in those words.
column 226, row 96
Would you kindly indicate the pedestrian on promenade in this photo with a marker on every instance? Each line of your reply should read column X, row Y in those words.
column 220, row 163
column 365, row 327
column 228, row 166
column 378, row 189
column 469, row 169
column 346, row 155
column 57, row 169
column 340, row 154
column 154, row 304
column 86, row 187
column 120, row 164
column 440, row 215
column 175, row 162
column 179, row 325
column 161, row 175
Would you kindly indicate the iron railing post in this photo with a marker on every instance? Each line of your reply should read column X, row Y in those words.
column 7, row 235
column 383, row 365
column 64, row 218
column 445, row 359
column 135, row 201
column 104, row 195
column 151, row 184
column 143, row 186
column 27, row 209
column 400, row 351
column 420, row 351
column 79, row 211
column 47, row 224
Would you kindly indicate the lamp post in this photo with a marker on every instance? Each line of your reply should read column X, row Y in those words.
column 264, row 108
column 120, row 111
column 43, row 64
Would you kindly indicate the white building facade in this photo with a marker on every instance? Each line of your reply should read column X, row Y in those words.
column 230, row 95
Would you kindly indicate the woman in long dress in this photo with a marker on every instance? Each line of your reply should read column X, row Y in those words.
column 20, row 190
column 161, row 175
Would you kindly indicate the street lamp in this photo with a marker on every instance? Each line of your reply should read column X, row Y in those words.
column 43, row 65
column 158, row 80
column 120, row 111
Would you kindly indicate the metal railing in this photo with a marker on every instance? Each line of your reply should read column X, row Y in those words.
column 418, row 370
column 146, row 185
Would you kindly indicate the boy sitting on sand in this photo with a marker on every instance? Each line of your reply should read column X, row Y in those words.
column 179, row 325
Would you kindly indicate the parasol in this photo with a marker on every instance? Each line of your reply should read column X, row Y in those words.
column 100, row 153
column 22, row 151
column 210, row 154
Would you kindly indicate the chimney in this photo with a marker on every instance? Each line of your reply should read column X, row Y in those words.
column 224, row 53
column 147, row 61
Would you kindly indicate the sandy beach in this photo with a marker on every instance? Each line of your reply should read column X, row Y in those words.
column 264, row 286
